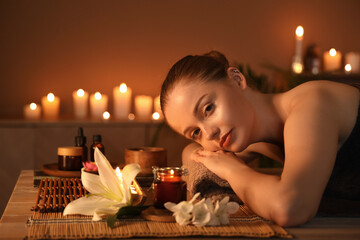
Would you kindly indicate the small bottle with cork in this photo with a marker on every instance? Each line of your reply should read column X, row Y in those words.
column 96, row 144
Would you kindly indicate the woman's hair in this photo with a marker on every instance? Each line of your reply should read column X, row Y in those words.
column 211, row 66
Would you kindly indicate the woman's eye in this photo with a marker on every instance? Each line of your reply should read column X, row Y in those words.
column 208, row 109
column 195, row 133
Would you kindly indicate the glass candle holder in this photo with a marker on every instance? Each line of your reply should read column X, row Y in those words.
column 168, row 185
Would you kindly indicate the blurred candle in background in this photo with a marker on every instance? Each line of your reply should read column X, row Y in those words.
column 157, row 107
column 143, row 107
column 122, row 101
column 50, row 106
column 32, row 111
column 106, row 116
column 332, row 60
column 297, row 64
column 98, row 105
column 353, row 59
column 80, row 99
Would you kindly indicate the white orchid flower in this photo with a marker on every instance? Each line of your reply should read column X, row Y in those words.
column 108, row 192
column 182, row 211
column 201, row 214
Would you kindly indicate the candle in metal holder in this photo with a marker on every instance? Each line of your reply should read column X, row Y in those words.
column 168, row 185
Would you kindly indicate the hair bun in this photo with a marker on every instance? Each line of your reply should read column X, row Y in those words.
column 218, row 56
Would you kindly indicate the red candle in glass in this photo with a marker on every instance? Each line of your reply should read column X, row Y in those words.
column 168, row 185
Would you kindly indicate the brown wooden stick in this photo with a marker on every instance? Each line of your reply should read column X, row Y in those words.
column 60, row 197
column 38, row 195
column 45, row 191
column 49, row 196
column 54, row 202
column 66, row 200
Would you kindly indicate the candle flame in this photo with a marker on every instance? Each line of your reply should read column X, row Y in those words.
column 123, row 88
column 80, row 92
column 131, row 116
column 172, row 172
column 297, row 67
column 97, row 96
column 118, row 173
column 299, row 31
column 348, row 67
column 332, row 52
column 50, row 97
column 156, row 116
column 106, row 115
column 33, row 106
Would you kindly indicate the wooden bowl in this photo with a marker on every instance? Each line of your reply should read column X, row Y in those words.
column 146, row 157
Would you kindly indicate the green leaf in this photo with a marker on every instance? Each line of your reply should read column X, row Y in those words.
column 130, row 211
column 111, row 220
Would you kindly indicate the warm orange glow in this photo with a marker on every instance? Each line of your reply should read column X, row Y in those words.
column 131, row 116
column 106, row 115
column 33, row 106
column 299, row 31
column 156, row 116
column 97, row 96
column 348, row 67
column 123, row 88
column 50, row 97
column 332, row 52
column 80, row 92
column 172, row 172
column 297, row 67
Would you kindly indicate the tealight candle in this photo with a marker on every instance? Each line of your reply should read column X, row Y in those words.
column 50, row 105
column 332, row 60
column 80, row 98
column 98, row 105
column 106, row 116
column 157, row 108
column 168, row 185
column 353, row 59
column 32, row 111
column 122, row 101
column 143, row 107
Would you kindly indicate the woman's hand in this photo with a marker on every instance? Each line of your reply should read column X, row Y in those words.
column 221, row 163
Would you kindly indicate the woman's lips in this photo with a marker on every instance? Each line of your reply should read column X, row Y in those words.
column 225, row 140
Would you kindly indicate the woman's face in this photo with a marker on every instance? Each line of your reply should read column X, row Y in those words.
column 217, row 115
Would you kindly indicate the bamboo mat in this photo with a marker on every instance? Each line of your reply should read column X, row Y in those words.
column 48, row 222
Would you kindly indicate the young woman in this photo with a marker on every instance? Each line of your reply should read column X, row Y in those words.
column 315, row 125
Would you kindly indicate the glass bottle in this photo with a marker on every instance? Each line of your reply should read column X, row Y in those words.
column 96, row 143
column 80, row 141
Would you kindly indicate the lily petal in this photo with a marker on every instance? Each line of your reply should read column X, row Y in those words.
column 92, row 182
column 232, row 207
column 87, row 205
column 107, row 175
column 129, row 173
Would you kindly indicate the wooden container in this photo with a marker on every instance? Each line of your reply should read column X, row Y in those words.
column 146, row 157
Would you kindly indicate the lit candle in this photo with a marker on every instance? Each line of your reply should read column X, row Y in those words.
column 155, row 116
column 32, row 111
column 106, row 116
column 168, row 185
column 122, row 101
column 143, row 107
column 353, row 59
column 297, row 64
column 98, row 105
column 347, row 68
column 131, row 117
column 80, row 99
column 50, row 105
column 332, row 60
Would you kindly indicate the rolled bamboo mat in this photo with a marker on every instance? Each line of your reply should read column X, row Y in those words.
column 53, row 225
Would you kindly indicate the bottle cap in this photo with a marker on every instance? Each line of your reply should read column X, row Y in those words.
column 80, row 140
column 97, row 138
column 70, row 151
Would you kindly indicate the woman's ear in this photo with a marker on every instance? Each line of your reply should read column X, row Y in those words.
column 235, row 75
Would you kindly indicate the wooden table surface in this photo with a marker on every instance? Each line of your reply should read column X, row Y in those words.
column 18, row 210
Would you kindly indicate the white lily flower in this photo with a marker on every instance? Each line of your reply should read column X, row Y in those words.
column 108, row 192
column 224, row 208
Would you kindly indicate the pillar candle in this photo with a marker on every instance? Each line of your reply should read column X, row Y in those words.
column 143, row 107
column 297, row 64
column 98, row 105
column 353, row 58
column 32, row 111
column 50, row 105
column 122, row 101
column 80, row 99
column 332, row 60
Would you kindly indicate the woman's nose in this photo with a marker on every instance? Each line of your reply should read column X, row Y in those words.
column 211, row 132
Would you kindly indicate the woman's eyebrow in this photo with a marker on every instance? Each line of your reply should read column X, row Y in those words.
column 195, row 110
